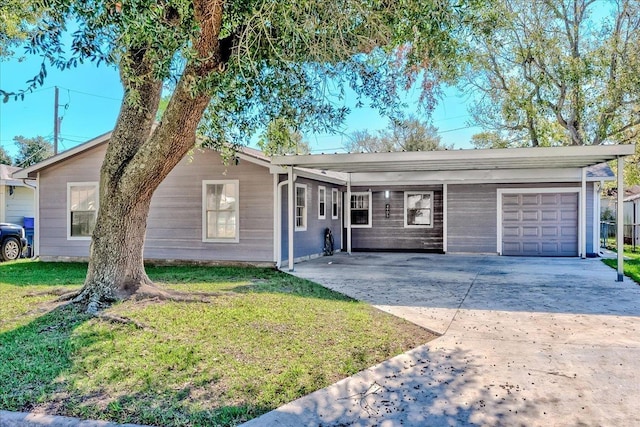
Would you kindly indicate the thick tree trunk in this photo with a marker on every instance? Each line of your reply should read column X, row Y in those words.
column 138, row 159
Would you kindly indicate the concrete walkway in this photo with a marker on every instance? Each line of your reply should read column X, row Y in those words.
column 526, row 341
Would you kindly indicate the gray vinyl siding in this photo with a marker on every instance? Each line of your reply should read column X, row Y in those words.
column 53, row 181
column 174, row 227
column 311, row 241
column 390, row 233
column 472, row 218
column 18, row 205
column 472, row 215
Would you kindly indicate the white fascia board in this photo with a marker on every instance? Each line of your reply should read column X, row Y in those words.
column 314, row 174
column 26, row 172
column 467, row 177
column 468, row 156
column 250, row 159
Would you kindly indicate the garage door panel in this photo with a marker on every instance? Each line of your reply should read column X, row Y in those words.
column 530, row 248
column 567, row 215
column 510, row 200
column 549, row 199
column 511, row 231
column 511, row 215
column 540, row 224
column 569, row 198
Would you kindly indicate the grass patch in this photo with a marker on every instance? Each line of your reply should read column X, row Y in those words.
column 268, row 339
column 631, row 265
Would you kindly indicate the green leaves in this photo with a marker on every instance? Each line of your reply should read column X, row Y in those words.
column 558, row 72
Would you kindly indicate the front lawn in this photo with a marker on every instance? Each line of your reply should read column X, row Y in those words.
column 267, row 339
column 631, row 265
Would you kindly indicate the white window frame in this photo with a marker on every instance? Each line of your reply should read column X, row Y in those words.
column 305, row 208
column 236, row 184
column 406, row 217
column 370, row 216
column 80, row 184
column 322, row 201
column 335, row 202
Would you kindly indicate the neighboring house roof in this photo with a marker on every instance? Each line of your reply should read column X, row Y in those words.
column 632, row 193
column 600, row 172
column 7, row 176
column 6, row 171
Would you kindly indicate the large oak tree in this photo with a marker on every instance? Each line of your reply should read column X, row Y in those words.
column 557, row 72
column 231, row 67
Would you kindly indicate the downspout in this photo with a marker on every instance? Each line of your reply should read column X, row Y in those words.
column 35, row 251
column 620, row 220
column 583, row 214
column 278, row 225
column 291, row 218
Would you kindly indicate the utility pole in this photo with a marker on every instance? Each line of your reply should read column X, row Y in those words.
column 56, row 122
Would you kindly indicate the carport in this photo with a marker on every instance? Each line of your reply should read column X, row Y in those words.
column 550, row 174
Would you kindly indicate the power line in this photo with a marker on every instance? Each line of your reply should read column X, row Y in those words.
column 452, row 130
column 91, row 94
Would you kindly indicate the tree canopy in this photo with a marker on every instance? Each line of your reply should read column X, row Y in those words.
column 32, row 150
column 556, row 72
column 239, row 65
column 408, row 134
column 5, row 159
column 17, row 19
column 280, row 138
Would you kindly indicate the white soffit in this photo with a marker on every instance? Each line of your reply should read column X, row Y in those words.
column 452, row 160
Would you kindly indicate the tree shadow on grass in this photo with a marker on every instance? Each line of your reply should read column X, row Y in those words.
column 37, row 363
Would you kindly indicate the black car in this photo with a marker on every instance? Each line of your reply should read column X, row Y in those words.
column 12, row 241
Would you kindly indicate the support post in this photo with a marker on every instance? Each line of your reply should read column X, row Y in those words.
column 291, row 217
column 620, row 220
column 583, row 215
column 348, row 210
column 276, row 216
column 445, row 214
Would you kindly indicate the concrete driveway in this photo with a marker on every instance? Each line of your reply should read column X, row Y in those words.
column 526, row 341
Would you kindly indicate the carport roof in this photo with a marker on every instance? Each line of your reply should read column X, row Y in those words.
column 454, row 160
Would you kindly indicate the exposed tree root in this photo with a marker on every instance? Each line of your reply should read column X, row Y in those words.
column 95, row 304
column 55, row 291
column 68, row 296
column 146, row 292
column 121, row 320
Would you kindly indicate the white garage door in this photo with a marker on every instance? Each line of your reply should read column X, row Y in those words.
column 540, row 224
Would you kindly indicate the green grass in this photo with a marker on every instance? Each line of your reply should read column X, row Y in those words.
column 268, row 339
column 631, row 265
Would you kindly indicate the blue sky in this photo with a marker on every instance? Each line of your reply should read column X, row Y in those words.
column 90, row 97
